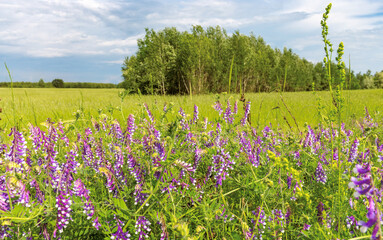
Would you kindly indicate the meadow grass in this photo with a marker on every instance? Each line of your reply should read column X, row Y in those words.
column 37, row 105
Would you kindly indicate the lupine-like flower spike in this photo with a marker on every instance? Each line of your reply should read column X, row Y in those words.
column 149, row 113
column 120, row 234
column 372, row 216
column 353, row 151
column 218, row 107
column 320, row 174
column 246, row 115
column 195, row 115
column 142, row 228
column 63, row 211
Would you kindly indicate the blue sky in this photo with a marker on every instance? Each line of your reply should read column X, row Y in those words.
column 87, row 40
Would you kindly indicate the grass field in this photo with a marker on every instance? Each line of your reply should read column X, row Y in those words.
column 116, row 168
column 36, row 105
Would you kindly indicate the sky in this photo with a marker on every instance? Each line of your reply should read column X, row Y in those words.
column 88, row 40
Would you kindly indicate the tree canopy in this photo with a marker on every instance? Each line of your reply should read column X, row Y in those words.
column 199, row 61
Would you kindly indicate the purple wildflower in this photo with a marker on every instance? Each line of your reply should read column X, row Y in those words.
column 96, row 223
column 120, row 234
column 218, row 107
column 142, row 228
column 320, row 174
column 149, row 113
column 235, row 110
column 222, row 164
column 228, row 115
column 63, row 204
column 353, row 151
column 246, row 115
column 195, row 116
column 372, row 215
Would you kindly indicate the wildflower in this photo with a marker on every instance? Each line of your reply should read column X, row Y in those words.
column 353, row 151
column 258, row 224
column 306, row 227
column 227, row 116
column 235, row 110
column 96, row 224
column 131, row 128
column 320, row 174
column 195, row 116
column 218, row 107
column 363, row 186
column 372, row 216
column 63, row 204
column 246, row 115
column 184, row 124
column 120, row 234
column 142, row 228
column 149, row 113
column 222, row 164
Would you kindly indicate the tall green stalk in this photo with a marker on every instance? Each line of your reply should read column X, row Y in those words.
column 13, row 97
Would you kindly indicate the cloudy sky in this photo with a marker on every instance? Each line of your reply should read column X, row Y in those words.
column 87, row 40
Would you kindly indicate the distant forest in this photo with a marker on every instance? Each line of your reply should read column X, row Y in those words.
column 202, row 61
column 56, row 83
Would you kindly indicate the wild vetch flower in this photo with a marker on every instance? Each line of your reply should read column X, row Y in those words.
column 306, row 227
column 227, row 116
column 115, row 131
column 120, row 234
column 80, row 190
column 149, row 113
column 96, row 224
column 351, row 222
column 142, row 228
column 289, row 180
column 195, row 115
column 258, row 224
column 363, row 186
column 63, row 204
column 278, row 218
column 131, row 128
column 204, row 127
column 197, row 158
column 246, row 115
column 353, row 151
column 37, row 137
column 320, row 174
column 222, row 164
column 5, row 232
column 235, row 110
column 184, row 124
column 17, row 152
column 218, row 107
column 372, row 215
column 139, row 196
column 4, row 198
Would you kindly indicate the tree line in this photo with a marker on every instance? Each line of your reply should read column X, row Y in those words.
column 210, row 61
column 56, row 83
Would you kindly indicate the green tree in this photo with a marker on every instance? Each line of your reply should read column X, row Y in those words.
column 58, row 83
column 378, row 79
column 41, row 83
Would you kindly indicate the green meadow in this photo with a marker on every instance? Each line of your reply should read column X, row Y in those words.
column 280, row 109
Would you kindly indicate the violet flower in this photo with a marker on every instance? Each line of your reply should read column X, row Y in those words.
column 120, row 234
column 142, row 228
column 195, row 115
column 320, row 174
column 246, row 115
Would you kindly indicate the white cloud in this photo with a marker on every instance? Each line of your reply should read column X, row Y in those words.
column 56, row 28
